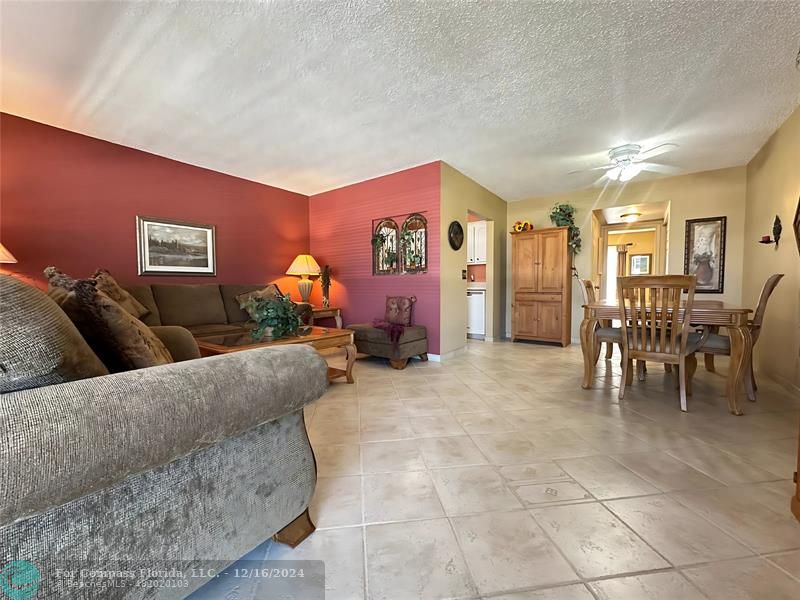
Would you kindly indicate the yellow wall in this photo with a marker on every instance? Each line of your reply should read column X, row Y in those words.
column 706, row 194
column 460, row 194
column 773, row 187
column 643, row 242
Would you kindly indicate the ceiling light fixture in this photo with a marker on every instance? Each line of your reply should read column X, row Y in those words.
column 631, row 217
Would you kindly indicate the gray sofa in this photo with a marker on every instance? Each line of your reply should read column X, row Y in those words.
column 198, row 461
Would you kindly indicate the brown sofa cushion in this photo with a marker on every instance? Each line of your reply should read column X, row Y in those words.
column 368, row 333
column 398, row 309
column 121, row 341
column 109, row 286
column 144, row 294
column 189, row 304
column 230, row 294
column 41, row 346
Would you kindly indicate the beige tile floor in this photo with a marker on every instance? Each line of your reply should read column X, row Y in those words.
column 494, row 475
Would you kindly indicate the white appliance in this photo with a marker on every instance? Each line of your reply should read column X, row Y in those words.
column 476, row 242
column 476, row 312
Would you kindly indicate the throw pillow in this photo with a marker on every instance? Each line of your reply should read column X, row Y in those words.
column 41, row 346
column 269, row 292
column 121, row 341
column 109, row 286
column 398, row 309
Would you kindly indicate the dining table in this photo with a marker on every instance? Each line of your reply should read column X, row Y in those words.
column 704, row 313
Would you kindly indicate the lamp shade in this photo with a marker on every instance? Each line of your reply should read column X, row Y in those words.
column 6, row 256
column 304, row 264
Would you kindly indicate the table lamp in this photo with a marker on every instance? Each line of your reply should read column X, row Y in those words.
column 304, row 265
column 6, row 256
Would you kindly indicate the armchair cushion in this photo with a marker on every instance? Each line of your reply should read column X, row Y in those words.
column 179, row 341
column 41, row 346
column 398, row 309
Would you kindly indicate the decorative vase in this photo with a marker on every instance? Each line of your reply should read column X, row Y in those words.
column 326, row 302
column 264, row 337
column 704, row 271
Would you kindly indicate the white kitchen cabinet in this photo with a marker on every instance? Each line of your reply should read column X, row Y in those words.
column 476, row 312
column 476, row 242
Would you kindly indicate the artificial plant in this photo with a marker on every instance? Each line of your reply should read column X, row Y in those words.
column 563, row 215
column 277, row 314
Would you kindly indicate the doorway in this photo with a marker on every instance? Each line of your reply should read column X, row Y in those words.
column 626, row 244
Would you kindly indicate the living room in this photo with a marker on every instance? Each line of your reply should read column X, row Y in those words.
column 237, row 245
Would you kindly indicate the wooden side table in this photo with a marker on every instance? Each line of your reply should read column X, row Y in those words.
column 320, row 312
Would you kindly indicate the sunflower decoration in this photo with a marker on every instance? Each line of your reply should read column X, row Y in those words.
column 520, row 226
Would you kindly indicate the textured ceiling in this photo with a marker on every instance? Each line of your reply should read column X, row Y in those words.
column 310, row 96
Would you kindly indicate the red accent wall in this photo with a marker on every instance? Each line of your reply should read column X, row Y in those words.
column 71, row 201
column 341, row 233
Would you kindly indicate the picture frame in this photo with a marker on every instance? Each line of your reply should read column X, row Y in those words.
column 704, row 253
column 169, row 247
column 641, row 264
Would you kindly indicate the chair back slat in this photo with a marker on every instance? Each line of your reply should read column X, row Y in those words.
column 587, row 290
column 653, row 320
column 769, row 286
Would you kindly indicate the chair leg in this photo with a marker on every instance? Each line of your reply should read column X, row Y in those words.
column 691, row 367
column 424, row 357
column 627, row 375
column 682, row 382
column 622, row 353
column 753, row 375
column 609, row 350
column 398, row 364
column 597, row 347
column 640, row 370
column 750, row 384
column 709, row 358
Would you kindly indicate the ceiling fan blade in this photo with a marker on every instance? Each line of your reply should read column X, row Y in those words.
column 603, row 168
column 659, row 168
column 600, row 180
column 654, row 151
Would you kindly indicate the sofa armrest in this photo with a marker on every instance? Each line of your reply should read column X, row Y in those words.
column 64, row 441
column 179, row 341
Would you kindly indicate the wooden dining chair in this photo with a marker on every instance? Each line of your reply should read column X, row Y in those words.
column 714, row 344
column 604, row 333
column 655, row 326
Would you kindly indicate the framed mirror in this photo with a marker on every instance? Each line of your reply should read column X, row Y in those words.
column 385, row 243
column 414, row 244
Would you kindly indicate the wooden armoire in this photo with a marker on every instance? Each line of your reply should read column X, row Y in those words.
column 541, row 301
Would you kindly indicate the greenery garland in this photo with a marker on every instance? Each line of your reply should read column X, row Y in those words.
column 563, row 215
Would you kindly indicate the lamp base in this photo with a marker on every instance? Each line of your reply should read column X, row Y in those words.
column 304, row 287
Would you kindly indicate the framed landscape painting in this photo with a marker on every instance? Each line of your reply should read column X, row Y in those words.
column 640, row 264
column 704, row 253
column 168, row 247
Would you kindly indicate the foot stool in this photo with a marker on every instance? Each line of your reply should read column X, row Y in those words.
column 375, row 342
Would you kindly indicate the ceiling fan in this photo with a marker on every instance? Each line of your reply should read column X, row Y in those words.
column 628, row 160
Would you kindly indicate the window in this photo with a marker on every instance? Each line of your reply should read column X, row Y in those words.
column 384, row 248
column 414, row 244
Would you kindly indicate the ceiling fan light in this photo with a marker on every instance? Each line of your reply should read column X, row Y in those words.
column 630, row 217
column 614, row 173
column 628, row 172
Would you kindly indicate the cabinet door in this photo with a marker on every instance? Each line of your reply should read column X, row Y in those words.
column 549, row 320
column 480, row 242
column 470, row 242
column 550, row 258
column 525, row 318
column 523, row 267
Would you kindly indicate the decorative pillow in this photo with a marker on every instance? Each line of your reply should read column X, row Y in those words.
column 269, row 292
column 398, row 309
column 41, row 346
column 121, row 341
column 109, row 286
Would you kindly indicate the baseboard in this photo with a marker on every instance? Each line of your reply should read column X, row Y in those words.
column 447, row 355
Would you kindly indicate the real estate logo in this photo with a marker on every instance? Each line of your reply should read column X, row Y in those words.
column 19, row 580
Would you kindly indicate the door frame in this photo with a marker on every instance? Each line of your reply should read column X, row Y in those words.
column 659, row 255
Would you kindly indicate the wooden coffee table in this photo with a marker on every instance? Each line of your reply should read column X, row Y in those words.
column 320, row 338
